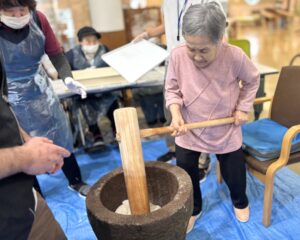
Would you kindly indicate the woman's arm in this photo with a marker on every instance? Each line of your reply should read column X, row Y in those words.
column 151, row 32
column 177, row 120
column 173, row 94
column 156, row 31
column 62, row 65
column 53, row 49
column 173, row 98
column 250, row 77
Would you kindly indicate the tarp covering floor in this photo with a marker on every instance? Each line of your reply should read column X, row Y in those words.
column 217, row 221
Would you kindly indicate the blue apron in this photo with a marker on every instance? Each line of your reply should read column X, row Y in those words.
column 30, row 92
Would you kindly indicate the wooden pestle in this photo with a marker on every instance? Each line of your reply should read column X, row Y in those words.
column 129, row 137
column 126, row 121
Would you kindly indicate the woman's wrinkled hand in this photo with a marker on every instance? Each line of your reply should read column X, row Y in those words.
column 178, row 125
column 240, row 117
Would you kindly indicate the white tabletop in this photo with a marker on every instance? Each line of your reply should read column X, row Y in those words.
column 107, row 79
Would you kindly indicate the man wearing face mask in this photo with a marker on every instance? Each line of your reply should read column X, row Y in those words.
column 25, row 36
column 88, row 54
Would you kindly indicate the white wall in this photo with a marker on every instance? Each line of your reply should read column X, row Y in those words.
column 107, row 15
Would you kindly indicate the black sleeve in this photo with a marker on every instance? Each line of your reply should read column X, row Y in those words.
column 62, row 66
column 70, row 57
column 106, row 48
column 3, row 83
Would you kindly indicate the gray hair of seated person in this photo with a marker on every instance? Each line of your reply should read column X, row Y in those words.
column 206, row 19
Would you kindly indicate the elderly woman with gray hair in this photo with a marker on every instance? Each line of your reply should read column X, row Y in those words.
column 202, row 83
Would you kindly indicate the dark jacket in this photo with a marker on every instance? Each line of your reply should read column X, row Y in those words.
column 16, row 196
column 78, row 61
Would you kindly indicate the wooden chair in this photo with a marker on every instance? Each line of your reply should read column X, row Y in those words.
column 270, row 17
column 295, row 60
column 285, row 111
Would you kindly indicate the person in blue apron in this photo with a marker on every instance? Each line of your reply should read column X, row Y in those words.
column 88, row 54
column 23, row 212
column 25, row 35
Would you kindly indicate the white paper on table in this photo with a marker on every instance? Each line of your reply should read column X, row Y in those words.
column 133, row 60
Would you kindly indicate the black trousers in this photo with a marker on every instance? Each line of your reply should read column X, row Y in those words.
column 70, row 169
column 110, row 114
column 233, row 170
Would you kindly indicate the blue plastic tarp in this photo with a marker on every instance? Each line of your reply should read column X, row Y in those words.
column 217, row 221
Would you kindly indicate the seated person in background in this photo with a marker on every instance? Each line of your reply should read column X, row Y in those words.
column 88, row 54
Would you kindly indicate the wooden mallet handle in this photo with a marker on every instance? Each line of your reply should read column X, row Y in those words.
column 148, row 132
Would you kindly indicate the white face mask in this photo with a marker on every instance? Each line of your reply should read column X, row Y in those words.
column 90, row 49
column 16, row 22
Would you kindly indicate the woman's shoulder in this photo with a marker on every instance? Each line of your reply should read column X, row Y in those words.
column 41, row 20
column 179, row 50
column 235, row 51
column 42, row 17
column 178, row 54
column 233, row 55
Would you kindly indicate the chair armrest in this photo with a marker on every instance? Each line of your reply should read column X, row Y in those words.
column 294, row 58
column 287, row 143
column 262, row 100
column 285, row 150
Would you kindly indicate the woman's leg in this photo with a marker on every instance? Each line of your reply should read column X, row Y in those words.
column 110, row 114
column 233, row 170
column 71, row 170
column 188, row 160
column 72, row 173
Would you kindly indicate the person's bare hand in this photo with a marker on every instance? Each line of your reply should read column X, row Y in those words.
column 240, row 117
column 42, row 156
column 178, row 125
column 26, row 137
column 140, row 37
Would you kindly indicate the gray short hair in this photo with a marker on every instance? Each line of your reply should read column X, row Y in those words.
column 204, row 19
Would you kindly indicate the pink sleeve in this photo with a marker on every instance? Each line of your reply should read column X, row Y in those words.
column 249, row 75
column 52, row 46
column 173, row 94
